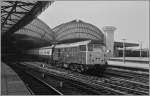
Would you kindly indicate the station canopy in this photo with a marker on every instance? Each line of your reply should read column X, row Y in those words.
column 120, row 44
column 20, row 24
column 16, row 14
column 35, row 34
column 36, row 29
column 38, row 34
column 77, row 30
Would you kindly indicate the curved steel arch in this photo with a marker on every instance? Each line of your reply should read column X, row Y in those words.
column 59, row 27
column 71, row 28
column 29, row 30
column 42, row 30
column 75, row 23
column 78, row 37
column 85, row 28
column 49, row 32
column 22, row 12
column 42, row 37
column 95, row 27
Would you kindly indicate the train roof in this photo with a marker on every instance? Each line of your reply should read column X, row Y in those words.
column 73, row 44
column 68, row 44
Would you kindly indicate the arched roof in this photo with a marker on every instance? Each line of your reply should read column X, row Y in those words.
column 77, row 29
column 37, row 29
column 16, row 14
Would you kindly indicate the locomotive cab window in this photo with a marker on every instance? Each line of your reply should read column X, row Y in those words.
column 97, row 46
column 90, row 47
column 82, row 48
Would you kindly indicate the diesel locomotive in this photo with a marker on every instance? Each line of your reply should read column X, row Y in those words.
column 83, row 56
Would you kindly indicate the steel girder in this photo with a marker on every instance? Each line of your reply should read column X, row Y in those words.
column 16, row 14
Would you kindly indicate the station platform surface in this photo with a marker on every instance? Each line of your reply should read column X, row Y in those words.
column 11, row 84
column 129, row 64
column 133, row 58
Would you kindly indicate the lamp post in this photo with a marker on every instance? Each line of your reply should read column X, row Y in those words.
column 140, row 48
column 124, row 50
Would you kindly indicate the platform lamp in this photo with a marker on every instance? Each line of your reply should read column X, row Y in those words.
column 124, row 50
column 53, row 48
column 140, row 48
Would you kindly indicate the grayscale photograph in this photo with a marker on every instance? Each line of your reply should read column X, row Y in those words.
column 75, row 47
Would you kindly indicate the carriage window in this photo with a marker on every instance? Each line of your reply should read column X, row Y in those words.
column 82, row 48
column 58, row 52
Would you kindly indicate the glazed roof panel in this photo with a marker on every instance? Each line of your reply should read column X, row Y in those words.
column 16, row 14
column 78, row 29
column 37, row 28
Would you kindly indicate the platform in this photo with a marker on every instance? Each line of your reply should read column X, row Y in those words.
column 129, row 64
column 11, row 84
column 131, row 59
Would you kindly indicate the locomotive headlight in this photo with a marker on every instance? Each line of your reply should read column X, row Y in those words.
column 108, row 51
column 67, row 55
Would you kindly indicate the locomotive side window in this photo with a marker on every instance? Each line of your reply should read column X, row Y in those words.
column 58, row 52
column 97, row 46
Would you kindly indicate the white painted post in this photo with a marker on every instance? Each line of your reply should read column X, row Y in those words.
column 124, row 50
column 86, row 53
column 140, row 49
column 61, row 83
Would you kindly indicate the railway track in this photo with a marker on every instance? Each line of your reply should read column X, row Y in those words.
column 131, row 72
column 128, row 86
column 65, row 86
column 108, row 84
column 129, row 83
column 138, row 76
column 35, row 85
column 121, row 85
column 68, row 87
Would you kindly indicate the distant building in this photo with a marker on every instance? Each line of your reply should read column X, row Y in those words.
column 112, row 45
column 109, row 38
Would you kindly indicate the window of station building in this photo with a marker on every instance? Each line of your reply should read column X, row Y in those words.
column 82, row 48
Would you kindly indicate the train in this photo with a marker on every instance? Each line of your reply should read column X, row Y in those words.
column 83, row 56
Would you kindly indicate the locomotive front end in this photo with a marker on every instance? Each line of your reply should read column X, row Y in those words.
column 96, row 57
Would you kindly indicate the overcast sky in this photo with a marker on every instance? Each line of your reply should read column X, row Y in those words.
column 131, row 18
